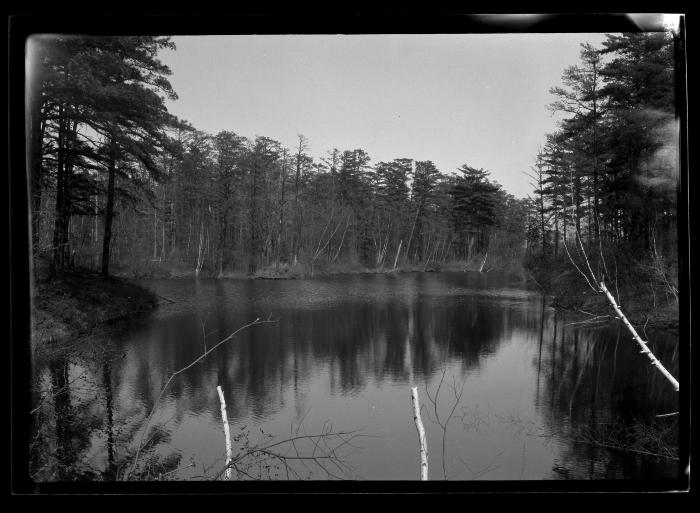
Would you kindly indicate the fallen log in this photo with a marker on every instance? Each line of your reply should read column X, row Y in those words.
column 645, row 349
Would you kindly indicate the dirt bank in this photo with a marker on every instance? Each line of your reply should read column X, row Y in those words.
column 73, row 303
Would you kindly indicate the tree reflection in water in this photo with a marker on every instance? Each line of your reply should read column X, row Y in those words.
column 346, row 349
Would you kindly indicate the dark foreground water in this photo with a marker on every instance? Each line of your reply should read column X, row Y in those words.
column 521, row 392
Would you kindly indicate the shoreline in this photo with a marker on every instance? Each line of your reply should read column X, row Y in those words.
column 301, row 272
column 567, row 292
column 73, row 304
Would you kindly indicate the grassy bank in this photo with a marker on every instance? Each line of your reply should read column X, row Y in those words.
column 643, row 292
column 72, row 303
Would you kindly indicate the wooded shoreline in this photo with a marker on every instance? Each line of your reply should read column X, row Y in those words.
column 645, row 303
column 177, row 202
column 73, row 303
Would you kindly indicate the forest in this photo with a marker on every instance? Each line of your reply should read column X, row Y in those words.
column 123, row 193
column 119, row 184
column 606, row 182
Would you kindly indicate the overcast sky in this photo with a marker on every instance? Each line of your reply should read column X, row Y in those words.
column 478, row 99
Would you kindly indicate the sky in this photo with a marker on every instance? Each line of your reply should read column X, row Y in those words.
column 476, row 99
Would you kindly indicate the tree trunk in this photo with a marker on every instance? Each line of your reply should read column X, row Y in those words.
column 93, row 238
column 410, row 238
column 556, row 233
column 642, row 344
column 577, row 203
column 421, row 435
column 542, row 227
column 223, row 228
column 590, row 214
column 596, row 205
column 281, row 218
column 162, row 244
column 198, row 268
column 60, row 191
column 37, row 137
column 297, row 213
column 66, row 134
column 397, row 253
column 155, row 235
column 109, row 208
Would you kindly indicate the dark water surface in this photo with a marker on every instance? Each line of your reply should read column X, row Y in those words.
column 532, row 384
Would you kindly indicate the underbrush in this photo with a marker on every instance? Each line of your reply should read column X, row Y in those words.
column 645, row 288
column 70, row 303
column 656, row 437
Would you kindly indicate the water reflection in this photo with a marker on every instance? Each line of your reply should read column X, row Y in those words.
column 597, row 389
column 346, row 350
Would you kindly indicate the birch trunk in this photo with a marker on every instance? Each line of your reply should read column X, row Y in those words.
column 421, row 435
column 396, row 259
column 481, row 269
column 410, row 238
column 645, row 350
column 199, row 251
column 224, row 419
column 340, row 246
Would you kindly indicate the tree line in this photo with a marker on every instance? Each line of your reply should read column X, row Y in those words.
column 606, row 180
column 117, row 180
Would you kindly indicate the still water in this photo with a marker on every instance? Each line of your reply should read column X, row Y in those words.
column 509, row 388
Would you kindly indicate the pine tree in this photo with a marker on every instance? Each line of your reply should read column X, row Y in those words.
column 474, row 199
column 103, row 104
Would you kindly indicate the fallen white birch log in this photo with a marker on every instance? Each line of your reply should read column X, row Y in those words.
column 645, row 350
column 421, row 435
column 224, row 418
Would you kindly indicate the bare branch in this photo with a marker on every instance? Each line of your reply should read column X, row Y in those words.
column 180, row 371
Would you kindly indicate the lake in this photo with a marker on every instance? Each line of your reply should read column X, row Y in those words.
column 509, row 388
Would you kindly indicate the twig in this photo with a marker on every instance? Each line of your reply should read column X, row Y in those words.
column 620, row 448
column 327, row 452
column 197, row 360
column 434, row 401
column 190, row 465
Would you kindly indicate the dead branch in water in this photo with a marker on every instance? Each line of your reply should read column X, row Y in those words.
column 324, row 455
column 180, row 371
column 167, row 299
column 421, row 435
column 224, row 419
